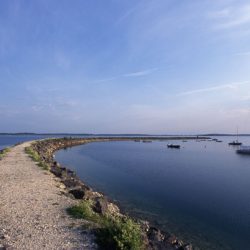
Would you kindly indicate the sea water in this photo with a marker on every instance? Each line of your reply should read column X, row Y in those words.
column 200, row 192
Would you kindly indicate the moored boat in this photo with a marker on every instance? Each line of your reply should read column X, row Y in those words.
column 243, row 150
column 173, row 146
column 235, row 143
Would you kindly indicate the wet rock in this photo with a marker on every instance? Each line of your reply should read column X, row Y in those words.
column 78, row 193
column 59, row 171
column 155, row 234
column 144, row 225
column 70, row 173
column 56, row 171
column 172, row 240
column 188, row 247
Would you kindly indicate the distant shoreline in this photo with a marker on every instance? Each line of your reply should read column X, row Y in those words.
column 124, row 135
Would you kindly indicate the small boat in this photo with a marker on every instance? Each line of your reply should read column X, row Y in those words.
column 137, row 140
column 173, row 146
column 243, row 150
column 218, row 141
column 235, row 143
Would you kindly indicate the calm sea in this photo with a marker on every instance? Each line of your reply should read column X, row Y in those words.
column 200, row 192
column 10, row 140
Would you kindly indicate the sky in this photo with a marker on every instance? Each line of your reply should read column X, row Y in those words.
column 134, row 66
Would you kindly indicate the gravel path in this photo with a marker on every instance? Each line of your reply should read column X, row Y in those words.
column 32, row 208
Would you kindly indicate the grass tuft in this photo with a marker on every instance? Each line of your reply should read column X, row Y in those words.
column 33, row 154
column 3, row 152
column 35, row 157
column 119, row 233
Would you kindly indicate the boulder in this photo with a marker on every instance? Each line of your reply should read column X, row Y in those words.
column 71, row 182
column 101, row 205
column 57, row 171
column 188, row 247
column 78, row 193
column 154, row 234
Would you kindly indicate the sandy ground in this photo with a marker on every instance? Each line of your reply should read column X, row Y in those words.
column 32, row 208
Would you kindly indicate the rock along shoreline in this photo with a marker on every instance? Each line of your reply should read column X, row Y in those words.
column 154, row 238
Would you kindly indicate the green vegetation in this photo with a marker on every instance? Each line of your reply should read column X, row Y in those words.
column 114, row 232
column 120, row 233
column 35, row 157
column 4, row 152
column 33, row 154
column 84, row 211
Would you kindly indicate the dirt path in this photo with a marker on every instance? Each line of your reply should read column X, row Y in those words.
column 32, row 208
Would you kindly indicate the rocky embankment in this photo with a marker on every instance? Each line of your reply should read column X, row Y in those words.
column 154, row 238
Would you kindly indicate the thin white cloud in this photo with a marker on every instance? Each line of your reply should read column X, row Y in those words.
column 132, row 74
column 211, row 89
column 232, row 17
column 141, row 73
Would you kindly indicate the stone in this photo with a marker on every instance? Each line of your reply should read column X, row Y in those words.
column 78, row 193
column 172, row 239
column 56, row 171
column 113, row 209
column 155, row 234
column 71, row 183
column 101, row 205
column 188, row 247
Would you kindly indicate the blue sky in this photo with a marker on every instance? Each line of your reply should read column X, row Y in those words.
column 148, row 66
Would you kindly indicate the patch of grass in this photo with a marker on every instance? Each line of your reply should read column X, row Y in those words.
column 35, row 157
column 3, row 152
column 119, row 233
column 33, row 154
column 84, row 211
column 43, row 165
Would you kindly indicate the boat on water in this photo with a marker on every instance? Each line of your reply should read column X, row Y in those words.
column 173, row 146
column 243, row 150
column 236, row 142
column 146, row 141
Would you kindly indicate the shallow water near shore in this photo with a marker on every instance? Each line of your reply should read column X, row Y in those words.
column 201, row 192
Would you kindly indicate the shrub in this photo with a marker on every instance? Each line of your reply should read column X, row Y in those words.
column 84, row 211
column 120, row 233
column 114, row 232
